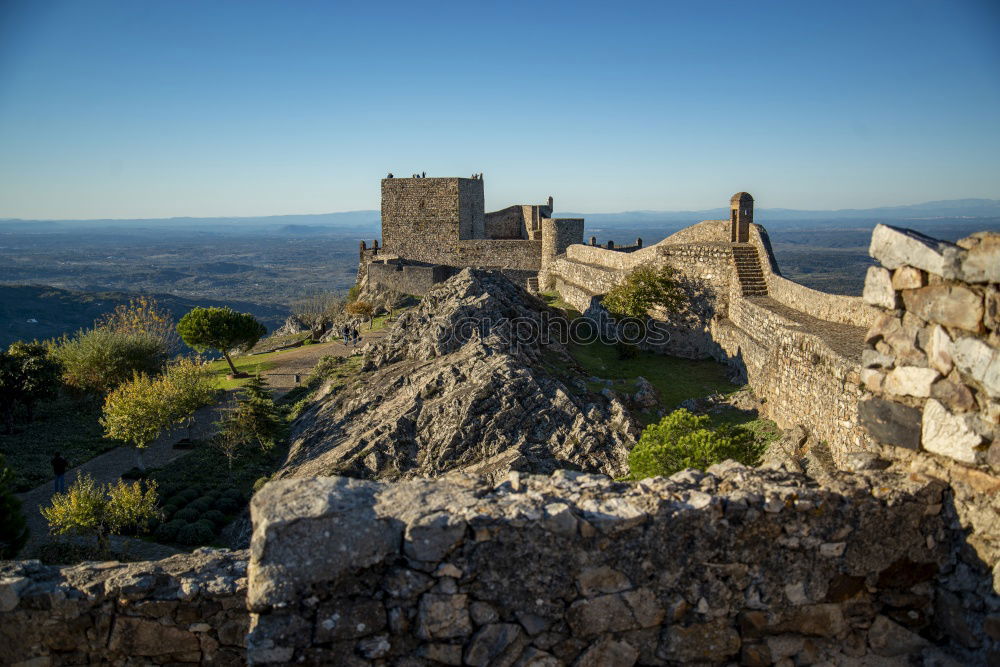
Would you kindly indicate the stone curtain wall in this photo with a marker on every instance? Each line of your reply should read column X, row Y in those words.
column 407, row 278
column 188, row 609
column 801, row 379
column 932, row 369
column 758, row 566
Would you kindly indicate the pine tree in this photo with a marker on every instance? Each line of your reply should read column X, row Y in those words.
column 13, row 526
column 254, row 420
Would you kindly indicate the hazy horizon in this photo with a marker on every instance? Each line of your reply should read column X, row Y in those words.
column 991, row 203
column 116, row 109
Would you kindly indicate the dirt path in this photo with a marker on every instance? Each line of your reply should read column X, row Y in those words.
column 301, row 360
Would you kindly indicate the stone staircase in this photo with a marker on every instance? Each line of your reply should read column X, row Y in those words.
column 532, row 285
column 748, row 270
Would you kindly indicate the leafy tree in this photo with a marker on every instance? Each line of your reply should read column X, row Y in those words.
column 222, row 329
column 683, row 440
column 254, row 420
column 364, row 309
column 13, row 526
column 143, row 315
column 28, row 374
column 188, row 385
column 102, row 510
column 97, row 360
column 137, row 411
column 643, row 289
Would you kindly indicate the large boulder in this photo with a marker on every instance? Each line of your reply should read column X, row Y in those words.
column 464, row 382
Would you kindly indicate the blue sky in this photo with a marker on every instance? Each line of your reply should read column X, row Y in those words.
column 155, row 109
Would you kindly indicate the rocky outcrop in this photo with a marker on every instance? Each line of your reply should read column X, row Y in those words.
column 756, row 566
column 186, row 609
column 465, row 382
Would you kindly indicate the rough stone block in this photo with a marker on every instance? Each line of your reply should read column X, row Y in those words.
column 293, row 518
column 705, row 642
column 878, row 289
column 907, row 277
column 910, row 381
column 891, row 423
column 950, row 305
column 982, row 262
column 947, row 434
column 895, row 247
column 977, row 359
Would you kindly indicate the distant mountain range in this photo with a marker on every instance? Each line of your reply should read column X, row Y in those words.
column 364, row 221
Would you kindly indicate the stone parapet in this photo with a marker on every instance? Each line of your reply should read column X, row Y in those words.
column 931, row 368
column 737, row 564
column 186, row 609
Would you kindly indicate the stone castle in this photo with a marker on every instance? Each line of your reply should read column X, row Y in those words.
column 799, row 348
column 890, row 557
column 433, row 227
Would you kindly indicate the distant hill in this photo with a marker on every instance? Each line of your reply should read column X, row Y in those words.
column 28, row 312
column 988, row 209
column 365, row 221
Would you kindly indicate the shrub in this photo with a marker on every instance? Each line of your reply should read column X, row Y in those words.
column 102, row 510
column 188, row 514
column 168, row 531
column 644, row 288
column 202, row 504
column 207, row 524
column 168, row 510
column 217, row 518
column 28, row 374
column 327, row 365
column 255, row 420
column 683, row 440
column 143, row 315
column 97, row 360
column 136, row 412
column 195, row 533
column 13, row 525
column 190, row 494
column 228, row 505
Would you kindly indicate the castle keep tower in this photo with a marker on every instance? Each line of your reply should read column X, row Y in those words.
column 421, row 213
column 740, row 217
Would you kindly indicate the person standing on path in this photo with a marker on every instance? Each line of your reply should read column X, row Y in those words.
column 59, row 465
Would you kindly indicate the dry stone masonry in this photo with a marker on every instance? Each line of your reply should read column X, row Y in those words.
column 187, row 609
column 756, row 566
column 932, row 370
column 798, row 348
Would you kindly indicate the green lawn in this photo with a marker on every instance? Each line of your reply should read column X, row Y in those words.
column 555, row 300
column 676, row 379
column 65, row 424
column 250, row 364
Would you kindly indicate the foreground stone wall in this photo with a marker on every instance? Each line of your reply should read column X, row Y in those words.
column 188, row 609
column 752, row 565
column 932, row 369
